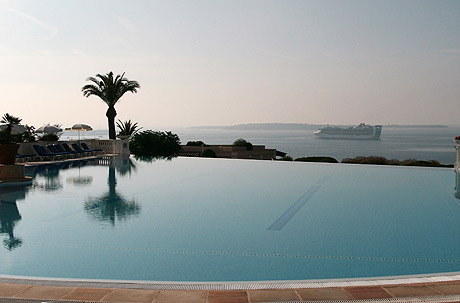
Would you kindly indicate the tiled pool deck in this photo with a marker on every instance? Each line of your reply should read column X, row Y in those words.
column 446, row 290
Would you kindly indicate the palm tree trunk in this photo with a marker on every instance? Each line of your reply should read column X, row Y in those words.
column 111, row 114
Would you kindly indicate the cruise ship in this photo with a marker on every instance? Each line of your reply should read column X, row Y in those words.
column 361, row 131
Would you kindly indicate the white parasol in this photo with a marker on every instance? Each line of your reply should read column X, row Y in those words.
column 48, row 129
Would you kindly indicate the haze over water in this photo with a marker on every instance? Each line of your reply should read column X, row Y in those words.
column 396, row 142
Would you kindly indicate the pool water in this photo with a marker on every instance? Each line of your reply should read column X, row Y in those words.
column 192, row 219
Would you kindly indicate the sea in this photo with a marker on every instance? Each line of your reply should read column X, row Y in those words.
column 396, row 142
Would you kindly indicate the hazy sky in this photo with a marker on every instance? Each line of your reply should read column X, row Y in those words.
column 229, row 62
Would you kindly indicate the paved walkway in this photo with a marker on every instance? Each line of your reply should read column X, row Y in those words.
column 422, row 292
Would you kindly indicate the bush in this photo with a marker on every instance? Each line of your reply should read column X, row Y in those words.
column 208, row 153
column 243, row 143
column 367, row 160
column 431, row 163
column 287, row 158
column 383, row 161
column 49, row 137
column 196, row 143
column 155, row 143
column 151, row 159
column 317, row 159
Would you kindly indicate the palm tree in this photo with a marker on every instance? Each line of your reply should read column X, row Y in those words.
column 110, row 90
column 127, row 128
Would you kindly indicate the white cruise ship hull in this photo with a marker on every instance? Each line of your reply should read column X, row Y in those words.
column 360, row 132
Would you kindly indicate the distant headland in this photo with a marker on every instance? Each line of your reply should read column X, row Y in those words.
column 299, row 126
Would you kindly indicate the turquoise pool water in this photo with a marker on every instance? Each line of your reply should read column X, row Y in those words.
column 191, row 219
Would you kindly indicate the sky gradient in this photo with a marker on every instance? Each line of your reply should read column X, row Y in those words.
column 229, row 62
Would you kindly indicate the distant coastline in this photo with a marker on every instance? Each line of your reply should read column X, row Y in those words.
column 299, row 126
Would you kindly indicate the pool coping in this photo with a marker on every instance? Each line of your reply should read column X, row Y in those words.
column 232, row 285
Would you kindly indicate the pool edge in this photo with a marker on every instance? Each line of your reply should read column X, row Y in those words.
column 232, row 285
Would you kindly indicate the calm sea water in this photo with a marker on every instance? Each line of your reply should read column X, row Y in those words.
column 396, row 142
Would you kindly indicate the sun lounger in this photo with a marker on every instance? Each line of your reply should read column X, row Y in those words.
column 60, row 149
column 54, row 150
column 44, row 155
column 25, row 158
column 86, row 148
column 78, row 149
column 68, row 149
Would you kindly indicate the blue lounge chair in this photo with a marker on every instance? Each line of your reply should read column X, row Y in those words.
column 25, row 158
column 78, row 149
column 68, row 149
column 60, row 149
column 54, row 150
column 86, row 148
column 44, row 155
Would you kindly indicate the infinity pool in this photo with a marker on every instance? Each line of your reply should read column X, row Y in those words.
column 192, row 219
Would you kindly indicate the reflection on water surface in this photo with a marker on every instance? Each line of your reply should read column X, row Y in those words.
column 108, row 207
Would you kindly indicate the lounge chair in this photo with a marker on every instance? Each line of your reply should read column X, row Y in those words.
column 54, row 150
column 86, row 148
column 44, row 155
column 68, row 149
column 60, row 148
column 78, row 149
column 25, row 158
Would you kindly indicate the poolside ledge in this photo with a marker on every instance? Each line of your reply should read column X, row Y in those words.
column 442, row 288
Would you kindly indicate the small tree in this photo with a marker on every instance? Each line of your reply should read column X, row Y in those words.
column 155, row 143
column 243, row 143
column 196, row 143
column 208, row 153
column 127, row 128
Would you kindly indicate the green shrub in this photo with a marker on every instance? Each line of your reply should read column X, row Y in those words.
column 383, row 161
column 155, row 143
column 196, row 143
column 366, row 160
column 243, row 143
column 208, row 153
column 49, row 137
column 287, row 158
column 430, row 163
column 151, row 159
column 317, row 159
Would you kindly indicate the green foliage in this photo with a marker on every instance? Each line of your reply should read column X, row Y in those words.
column 49, row 137
column 127, row 128
column 6, row 137
column 155, row 143
column 383, row 161
column 10, row 120
column 243, row 143
column 317, row 159
column 208, row 153
column 29, row 135
column 110, row 90
column 196, row 143
column 376, row 160
column 287, row 158
column 151, row 159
